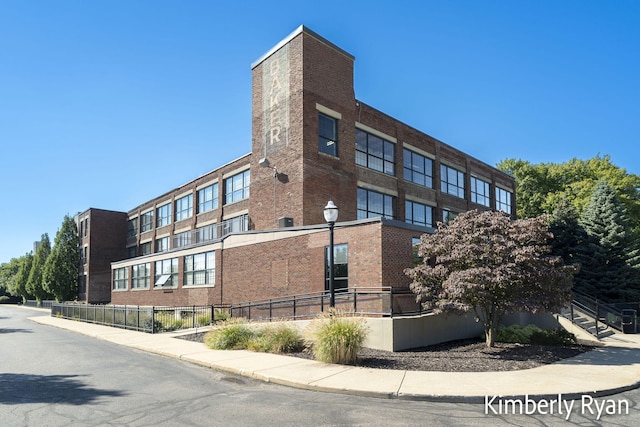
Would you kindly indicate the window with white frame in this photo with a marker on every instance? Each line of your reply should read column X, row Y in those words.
column 417, row 168
column 162, row 244
column 418, row 214
column 199, row 269
column 120, row 278
column 237, row 187
column 503, row 200
column 480, row 193
column 146, row 221
column 163, row 215
column 208, row 198
column 184, row 207
column 141, row 276
column 451, row 181
column 372, row 204
column 327, row 135
column 374, row 152
column 166, row 273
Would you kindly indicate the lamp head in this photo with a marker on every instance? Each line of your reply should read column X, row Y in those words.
column 331, row 212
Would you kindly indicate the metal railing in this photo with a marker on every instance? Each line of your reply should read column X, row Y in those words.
column 604, row 315
column 43, row 303
column 150, row 319
column 384, row 302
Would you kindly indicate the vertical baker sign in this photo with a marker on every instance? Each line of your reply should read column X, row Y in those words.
column 275, row 101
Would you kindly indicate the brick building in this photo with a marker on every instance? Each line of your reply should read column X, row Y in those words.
column 254, row 228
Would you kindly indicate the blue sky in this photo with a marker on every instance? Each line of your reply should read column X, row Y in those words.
column 108, row 104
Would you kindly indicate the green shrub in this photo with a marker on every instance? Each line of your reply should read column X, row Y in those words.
column 219, row 315
column 516, row 334
column 557, row 336
column 171, row 324
column 203, row 320
column 4, row 299
column 277, row 339
column 337, row 339
column 232, row 335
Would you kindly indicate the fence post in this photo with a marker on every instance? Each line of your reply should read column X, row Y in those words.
column 193, row 317
column 294, row 308
column 153, row 319
column 270, row 310
column 355, row 301
column 212, row 315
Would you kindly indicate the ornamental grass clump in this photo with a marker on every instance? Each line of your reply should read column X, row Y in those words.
column 231, row 335
column 337, row 339
column 277, row 339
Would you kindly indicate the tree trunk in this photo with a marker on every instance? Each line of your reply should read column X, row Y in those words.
column 490, row 335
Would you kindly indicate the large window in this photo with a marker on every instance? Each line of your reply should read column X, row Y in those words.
column 237, row 187
column 132, row 227
column 372, row 204
column 163, row 215
column 207, row 233
column 146, row 248
column 327, row 135
column 419, row 214
column 184, row 207
column 146, row 221
column 480, row 193
column 141, row 276
column 451, row 181
column 374, row 152
column 120, row 278
column 340, row 267
column 200, row 269
column 235, row 225
column 503, row 200
column 162, row 244
column 183, row 239
column 166, row 272
column 208, row 198
column 418, row 169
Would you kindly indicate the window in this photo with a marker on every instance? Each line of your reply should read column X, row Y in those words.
column 86, row 226
column 199, row 269
column 208, row 198
column 372, row 204
column 340, row 267
column 163, row 215
column 206, row 233
column 141, row 276
column 146, row 249
column 146, row 222
column 132, row 252
column 235, row 225
column 327, row 135
column 503, row 200
column 415, row 246
column 162, row 244
column 451, row 181
column 448, row 215
column 480, row 192
column 419, row 214
column 184, row 208
column 237, row 187
column 182, row 239
column 164, row 268
column 418, row 169
column 374, row 152
column 85, row 250
column 120, row 278
column 132, row 227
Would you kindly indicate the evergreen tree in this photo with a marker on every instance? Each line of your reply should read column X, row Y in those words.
column 34, row 283
column 607, row 269
column 60, row 275
column 22, row 277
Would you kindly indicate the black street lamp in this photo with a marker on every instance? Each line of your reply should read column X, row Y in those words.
column 331, row 216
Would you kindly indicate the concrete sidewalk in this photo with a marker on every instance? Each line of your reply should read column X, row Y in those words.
column 607, row 370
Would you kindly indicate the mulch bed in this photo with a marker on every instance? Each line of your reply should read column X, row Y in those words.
column 469, row 355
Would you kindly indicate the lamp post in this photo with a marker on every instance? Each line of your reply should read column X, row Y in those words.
column 331, row 215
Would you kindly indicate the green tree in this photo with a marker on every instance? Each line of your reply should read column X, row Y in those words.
column 541, row 187
column 60, row 275
column 8, row 273
column 22, row 277
column 492, row 265
column 34, row 283
column 610, row 270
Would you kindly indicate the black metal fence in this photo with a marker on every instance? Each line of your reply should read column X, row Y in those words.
column 150, row 319
column 604, row 314
column 43, row 303
column 359, row 301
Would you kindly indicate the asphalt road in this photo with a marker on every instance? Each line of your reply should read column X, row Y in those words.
column 53, row 377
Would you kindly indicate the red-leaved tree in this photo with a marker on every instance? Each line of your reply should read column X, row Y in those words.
column 490, row 264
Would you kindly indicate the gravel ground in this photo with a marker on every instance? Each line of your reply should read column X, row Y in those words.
column 459, row 356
